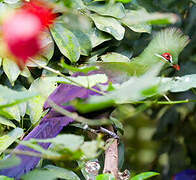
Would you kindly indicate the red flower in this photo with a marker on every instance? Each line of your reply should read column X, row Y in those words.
column 41, row 10
column 21, row 30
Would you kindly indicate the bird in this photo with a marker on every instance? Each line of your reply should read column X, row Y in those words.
column 165, row 47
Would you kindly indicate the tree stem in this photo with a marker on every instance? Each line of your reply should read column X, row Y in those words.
column 111, row 156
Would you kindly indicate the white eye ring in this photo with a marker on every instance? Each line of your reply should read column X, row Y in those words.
column 164, row 58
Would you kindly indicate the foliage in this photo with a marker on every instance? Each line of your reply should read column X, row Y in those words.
column 154, row 112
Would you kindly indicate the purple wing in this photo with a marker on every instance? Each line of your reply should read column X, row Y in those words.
column 185, row 175
column 50, row 126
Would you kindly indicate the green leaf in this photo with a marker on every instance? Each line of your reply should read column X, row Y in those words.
column 46, row 53
column 85, row 108
column 105, row 177
column 77, row 4
column 11, row 1
column 7, row 140
column 144, row 175
column 75, row 69
column 114, row 57
column 177, row 84
column 84, row 41
column 123, row 1
column 62, row 173
column 7, row 122
column 66, row 42
column 9, row 97
column 116, row 10
column 109, row 25
column 150, row 91
column 98, row 37
column 184, row 83
column 140, row 20
column 90, row 148
column 39, row 60
column 47, row 45
column 85, row 81
column 69, row 141
column 121, row 155
column 26, row 72
column 44, row 88
column 5, row 178
column 130, row 90
column 11, row 70
column 9, row 162
column 39, row 174
column 64, row 147
column 132, row 21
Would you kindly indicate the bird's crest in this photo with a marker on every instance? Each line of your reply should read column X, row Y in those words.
column 166, row 45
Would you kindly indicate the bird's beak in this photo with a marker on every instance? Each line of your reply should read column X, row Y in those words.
column 176, row 67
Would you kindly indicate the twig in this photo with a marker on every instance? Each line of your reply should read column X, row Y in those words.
column 76, row 117
column 111, row 156
column 164, row 102
column 33, row 154
column 62, row 75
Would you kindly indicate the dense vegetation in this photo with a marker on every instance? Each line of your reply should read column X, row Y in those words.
column 154, row 113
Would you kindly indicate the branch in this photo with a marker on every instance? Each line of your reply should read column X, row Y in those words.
column 76, row 117
column 62, row 75
column 111, row 156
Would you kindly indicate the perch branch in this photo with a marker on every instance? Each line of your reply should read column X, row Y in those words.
column 111, row 156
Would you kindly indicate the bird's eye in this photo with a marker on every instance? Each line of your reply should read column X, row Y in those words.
column 167, row 56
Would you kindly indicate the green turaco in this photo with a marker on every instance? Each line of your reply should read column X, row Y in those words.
column 165, row 47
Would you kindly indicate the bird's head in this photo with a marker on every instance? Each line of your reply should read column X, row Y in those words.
column 166, row 45
column 167, row 57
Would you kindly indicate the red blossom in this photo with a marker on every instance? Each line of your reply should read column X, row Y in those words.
column 41, row 10
column 21, row 30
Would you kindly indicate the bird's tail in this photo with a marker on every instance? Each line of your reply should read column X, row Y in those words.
column 49, row 127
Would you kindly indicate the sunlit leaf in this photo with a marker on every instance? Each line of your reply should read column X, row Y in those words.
column 39, row 174
column 9, row 97
column 184, row 83
column 66, row 42
column 69, row 141
column 84, row 41
column 11, row 1
column 11, row 70
column 145, row 175
column 140, row 20
column 105, row 177
column 90, row 148
column 109, row 25
column 9, row 162
column 97, row 37
column 85, row 81
column 6, row 122
column 75, row 69
column 62, row 173
column 8, row 139
column 116, row 10
column 44, row 89
column 5, row 178
column 114, row 57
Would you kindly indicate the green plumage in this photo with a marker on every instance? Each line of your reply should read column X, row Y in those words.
column 169, row 40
